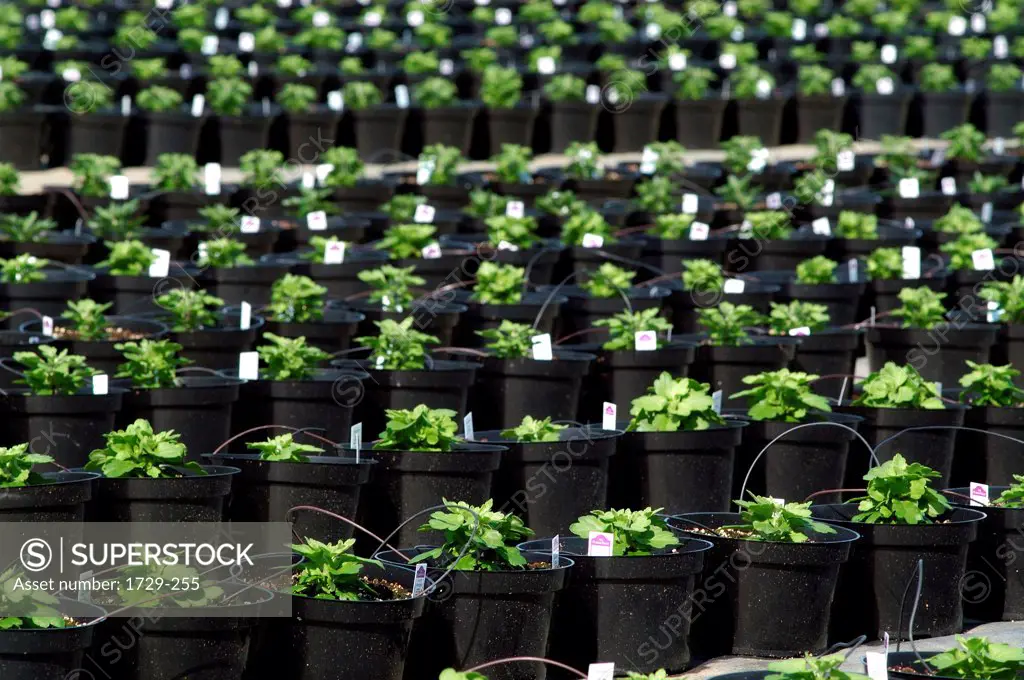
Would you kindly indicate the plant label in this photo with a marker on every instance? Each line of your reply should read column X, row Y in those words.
column 317, row 220
column 198, row 104
column 355, row 438
column 308, row 180
column 431, row 251
column 838, row 87
column 334, row 252
column 503, row 16
column 47, row 18
column 556, row 546
column 424, row 214
column 446, row 67
column 323, row 171
column 764, row 89
column 851, row 269
column 773, row 200
column 593, row 241
column 690, row 204
column 986, row 212
column 402, row 96
column 716, row 401
column 909, row 187
column 799, row 30
column 983, row 260
column 998, row 146
column 211, row 178
column 414, row 18
column 118, row 187
column 801, row 332
column 250, row 224
column 599, row 544
column 978, row 23
column 885, row 643
column 51, row 38
column 948, row 186
column 249, row 365
column 699, row 231
column 164, row 4
column 220, row 18
column 888, row 54
column 321, row 19
column 758, row 160
column 648, row 161
column 677, row 62
column 210, row 45
column 101, row 383
column 820, row 30
column 885, row 86
column 245, row 316
column 162, row 264
column 845, row 160
column 601, row 671
column 284, row 3
column 1000, row 47
column 909, row 223
column 593, row 94
column 727, row 60
column 957, row 25
column 71, row 75
column 729, row 8
column 419, row 580
column 505, row 245
column 371, row 19
column 645, row 341
column 126, row 105
column 48, row 326
column 467, row 426
column 911, row 262
column 335, row 101
column 979, row 494
column 515, row 209
column 877, row 665
column 246, row 42
column 546, row 65
column 542, row 347
column 737, row 34
column 821, row 227
column 733, row 286
column 652, row 31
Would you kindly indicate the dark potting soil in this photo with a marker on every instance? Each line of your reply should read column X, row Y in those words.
column 111, row 334
column 382, row 589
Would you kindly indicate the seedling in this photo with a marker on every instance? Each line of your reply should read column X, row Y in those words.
column 391, row 286
column 673, row 227
column 151, row 364
column 1009, row 295
column 127, row 258
column 397, row 346
column 510, row 340
column 797, row 314
column 671, row 158
column 750, row 82
column 9, row 179
column 175, row 172
column 297, row 97
column 296, row 299
column 88, row 318
column 92, row 173
column 812, row 668
column 520, row 232
column 658, row 195
column 419, row 429
column 491, row 536
column 498, row 284
column 624, row 326
column 435, row 93
column 563, row 203
column 329, row 571
column 900, row 493
column 190, row 310
column 228, row 96
column 502, row 88
column 635, row 532
column 988, row 385
column 816, row 271
column 310, row 201
column 961, row 251
column 921, row 308
column 566, row 87
column 224, row 253
column 766, row 519
column 159, row 99
column 608, row 281
column 16, row 463
column 407, row 241
column 727, row 323
column 583, row 221
column 739, row 191
column 347, row 168
column 261, row 168
column 512, row 163
column 674, row 405
column 703, row 276
column 137, row 451
column 284, row 449
column 584, row 161
column 898, row 387
column 532, row 430
column 987, row 184
column 22, row 268
column 289, row 358
column 979, row 659
column 771, row 226
column 739, row 152
column 782, row 395
column 359, row 96
column 965, row 141
column 1013, row 496
column 485, row 204
column 220, row 219
column 854, row 225
column 26, row 228
column 815, row 80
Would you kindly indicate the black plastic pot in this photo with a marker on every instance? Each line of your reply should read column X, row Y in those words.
column 618, row 608
column 239, row 134
column 199, row 410
column 818, row 112
column 832, row 351
column 755, row 615
column 179, row 206
column 406, row 482
column 699, row 122
column 884, row 566
column 136, row 295
column 938, row 354
column 49, row 297
column 189, row 498
column 479, row 317
column 579, row 259
column 340, row 280
column 101, row 354
column 1002, row 111
column 666, row 255
column 312, row 130
column 250, row 284
column 434, row 317
column 761, row 118
column 725, row 367
column 265, row 491
column 67, row 427
column 551, row 484
column 943, row 111
column 999, row 458
column 49, row 653
column 450, row 125
column 581, row 310
column 755, row 254
column 678, row 471
column 883, row 114
column 511, row 126
column 171, row 132
column 62, row 246
column 332, row 334
column 506, row 390
column 842, row 299
column 21, row 135
column 378, row 131
column 485, row 615
column 685, row 303
column 886, row 292
column 61, row 497
column 572, row 121
column 100, row 132
column 636, row 125
column 218, row 347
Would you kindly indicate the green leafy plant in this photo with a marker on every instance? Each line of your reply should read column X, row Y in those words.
column 158, row 98
column 920, row 308
column 397, row 346
column 900, row 493
column 127, row 258
column 223, row 253
column 9, row 180
column 898, row 387
column 512, row 163
column 309, row 201
column 767, row 519
column 16, row 463
column 740, row 151
column 694, row 84
column 1009, row 296
column 92, row 173
column 562, row 203
column 867, row 77
column 478, row 59
column 442, row 162
column 988, row 385
column 658, row 195
column 151, row 364
column 727, row 323
column 885, row 264
column 26, row 228
column 815, row 80
column 766, row 225
column 405, row 241
column 975, row 48
column 608, row 281
column 673, row 405
column 797, row 314
column 840, row 26
column 674, row 227
column 499, row 284
column 582, row 221
column 289, row 358
column 919, row 48
column 175, row 172
column 937, row 78
column 565, row 87
column 634, row 532
column 88, row 319
column 961, row 250
column 419, row 429
column 510, row 340
column 117, row 221
column 782, row 395
column 752, row 82
column 623, row 327
column 297, row 97
column 44, row 614
column 22, row 268
column 854, row 225
column 391, row 286
column 520, row 232
column 485, row 204
column 49, row 371
column 987, row 184
column 703, row 276
column 979, row 659
column 1013, row 496
column 435, row 93
column 137, row 451
column 346, row 167
column 531, row 430
column 228, row 96
column 965, row 142
column 491, row 536
column 190, row 310
column 584, row 161
column 1003, row 78
column 219, row 219
column 816, row 271
column 359, row 96
column 296, row 299
column 501, row 88
column 284, row 449
column 812, row 668
column 329, row 571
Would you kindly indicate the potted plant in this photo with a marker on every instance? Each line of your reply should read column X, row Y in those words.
column 766, row 240
column 573, row 117
column 975, row 657
column 378, row 125
column 509, row 117
column 146, row 477
column 821, row 280
column 824, row 349
column 820, row 108
column 1003, row 97
column 21, row 127
column 33, row 496
column 352, row 190
column 180, row 192
column 391, row 295
column 95, row 126
column 55, row 403
column 298, row 307
column 500, row 293
column 27, row 282
column 123, row 280
column 172, row 127
column 496, row 587
column 242, row 125
column 856, row 235
column 908, row 531
column 1008, row 298
column 437, row 176
column 411, row 244
column 702, row 284
column 883, row 101
column 210, row 337
column 231, row 275
column 32, row 235
column 603, row 291
column 307, row 117
column 759, row 107
column 700, row 107
column 446, row 119
column 944, row 99
column 994, row 402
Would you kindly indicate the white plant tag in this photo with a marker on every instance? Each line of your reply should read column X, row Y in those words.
column 118, row 187
column 198, row 104
column 546, row 65
column 593, row 94
column 321, row 19
column 601, row 671
column 821, row 227
column 402, row 96
column 246, row 42
column 690, row 204
column 838, row 87
column 699, row 231
column 885, row 86
column 317, row 220
column 983, row 260
column 335, row 100
column 446, row 67
column 424, row 214
column 371, row 19
column 1000, row 47
column 773, row 200
column 419, row 580
column 600, row 544
column 71, row 75
column 51, row 38
column 957, row 25
column 245, row 316
column 249, row 365
column 47, row 18
column 845, row 160
column 431, row 251
column 323, row 171
column 542, row 347
column 250, row 224
column 503, row 16
column 877, row 665
column 732, row 286
column 414, row 18
column 727, row 60
column 467, row 427
column 799, row 29
column 162, row 264
column 645, row 341
column 888, row 54
column 716, row 401
column 505, row 245
column 515, row 209
column 729, row 8
column 48, row 326
column 998, row 146
column 101, row 383
column 308, row 180
column 677, row 62
column 978, row 23
column 334, row 252
column 986, row 212
column 355, row 439
column 799, row 332
column 764, row 89
column 948, row 186
column 608, row 411
column 911, row 262
column 593, row 241
column 852, row 266
column 979, row 494
column 556, row 546
column 210, row 45
column 909, row 187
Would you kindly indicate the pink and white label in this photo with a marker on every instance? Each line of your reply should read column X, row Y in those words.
column 599, row 544
column 979, row 494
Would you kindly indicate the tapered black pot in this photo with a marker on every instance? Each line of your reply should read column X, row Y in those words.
column 189, row 498
column 572, row 121
column 450, row 125
column 480, row 616
column 311, row 132
column 1003, row 110
column 818, row 112
column 406, row 482
column 101, row 354
column 236, row 285
column 62, row 246
column 886, row 292
column 944, row 111
column 49, row 297
column 136, row 295
column 50, row 653
column 884, row 565
column 341, row 280
column 434, row 317
column 551, row 484
column 171, row 132
column 199, row 410
column 580, row 260
column 61, row 497
column 832, row 351
column 67, row 427
column 684, row 304
column 21, row 134
column 938, row 354
column 882, row 114
column 479, row 316
column 218, row 347
column 755, row 254
column 725, row 367
column 699, row 122
column 332, row 334
column 803, row 461
column 506, row 390
column 511, row 126
column 99, row 132
column 623, row 608
column 637, row 124
column 678, row 471
column 581, row 310
column 774, row 598
column 264, row 491
column 761, row 118
column 841, row 299
column 933, row 448
column 240, row 134
column 378, row 132
column 667, row 255
column 999, row 458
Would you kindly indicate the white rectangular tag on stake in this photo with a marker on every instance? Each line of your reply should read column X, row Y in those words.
column 245, row 316
column 885, row 86
column 727, row 60
column 515, row 209
column 323, row 171
column 593, row 241
column 48, row 326
column 503, row 16
column 402, row 96
column 355, row 439
column 246, row 42
column 838, row 87
column 699, row 231
column 799, row 29
column 71, row 75
column 100, row 383
column 593, row 94
column 249, row 365
column 992, row 315
column 424, row 214
column 876, row 665
column 542, row 347
column 317, row 220
column 431, row 251
column 802, row 331
column 911, row 262
column 210, row 45
column 821, row 227
column 467, row 427
column 986, row 212
column 335, row 101
column 948, row 186
column 845, row 160
column 546, row 65
column 851, row 269
column 732, row 286
column 118, row 187
column 909, row 187
column 957, row 25
column 556, row 547
column 716, row 401
column 691, row 204
column 773, row 200
column 601, row 671
column 600, row 544
column 608, row 413
column 250, row 224
column 162, row 264
column 505, row 245
column 1000, row 47
column 446, row 67
column 211, row 179
column 308, row 180
column 978, row 23
column 888, row 54
column 645, row 341
column 334, row 252
column 983, row 260
column 419, row 581
column 677, row 62
column 979, row 494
